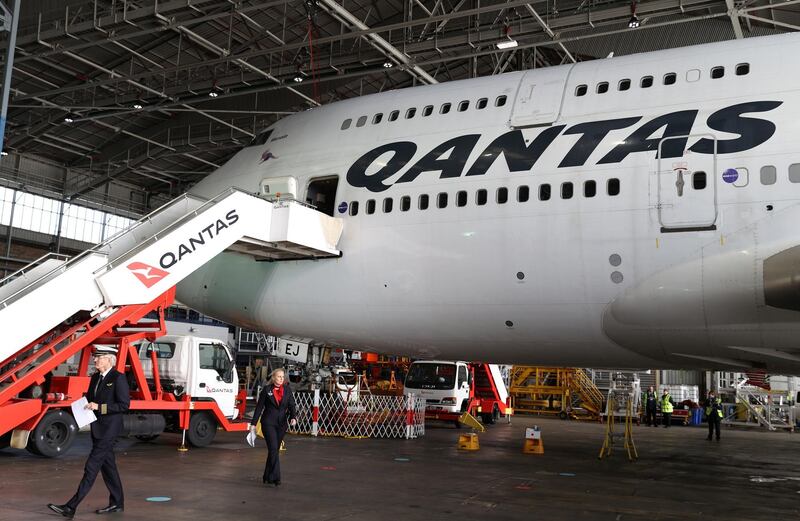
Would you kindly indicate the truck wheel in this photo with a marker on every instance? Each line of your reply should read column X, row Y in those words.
column 490, row 418
column 563, row 415
column 458, row 424
column 5, row 440
column 146, row 437
column 54, row 434
column 202, row 429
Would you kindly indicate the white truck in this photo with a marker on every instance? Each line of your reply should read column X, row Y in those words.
column 453, row 388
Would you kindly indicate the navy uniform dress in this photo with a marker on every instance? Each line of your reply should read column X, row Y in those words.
column 274, row 418
column 112, row 396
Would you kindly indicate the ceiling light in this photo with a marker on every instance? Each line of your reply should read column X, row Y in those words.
column 213, row 94
column 388, row 64
column 68, row 119
column 508, row 43
column 298, row 78
column 633, row 23
column 138, row 106
column 3, row 153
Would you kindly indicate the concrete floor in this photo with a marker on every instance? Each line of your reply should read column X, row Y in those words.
column 748, row 475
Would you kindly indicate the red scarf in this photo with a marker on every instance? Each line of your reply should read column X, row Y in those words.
column 277, row 392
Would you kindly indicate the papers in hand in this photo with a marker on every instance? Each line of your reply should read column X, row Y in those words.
column 82, row 415
column 251, row 438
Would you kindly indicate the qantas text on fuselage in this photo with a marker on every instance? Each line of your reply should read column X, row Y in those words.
column 450, row 157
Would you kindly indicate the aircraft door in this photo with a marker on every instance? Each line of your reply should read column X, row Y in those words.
column 687, row 188
column 539, row 97
column 217, row 376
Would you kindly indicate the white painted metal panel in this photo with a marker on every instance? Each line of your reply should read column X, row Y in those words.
column 680, row 204
column 539, row 97
column 298, row 224
column 49, row 304
column 29, row 277
column 497, row 376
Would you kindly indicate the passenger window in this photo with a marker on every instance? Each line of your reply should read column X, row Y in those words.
column 502, row 195
column 353, row 208
column 370, row 206
column 387, row 205
column 717, row 72
column 544, row 192
column 612, row 187
column 215, row 356
column 422, row 202
column 461, row 198
column 405, row 203
column 441, row 200
column 624, row 84
column 602, row 87
column 794, row 173
column 566, row 190
column 523, row 194
column 464, row 105
column 481, row 197
column 377, row 119
column 500, row 101
column 581, row 90
column 482, row 103
column 393, row 115
column 445, row 108
column 646, row 82
column 361, row 121
column 427, row 111
column 345, row 124
column 699, row 180
column 670, row 78
column 589, row 189
column 742, row 69
column 410, row 113
column 769, row 174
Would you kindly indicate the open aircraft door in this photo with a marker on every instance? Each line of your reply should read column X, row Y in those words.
column 687, row 187
column 539, row 97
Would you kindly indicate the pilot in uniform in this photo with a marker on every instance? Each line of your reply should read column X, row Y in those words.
column 109, row 397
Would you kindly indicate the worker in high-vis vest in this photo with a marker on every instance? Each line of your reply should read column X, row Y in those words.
column 713, row 414
column 666, row 408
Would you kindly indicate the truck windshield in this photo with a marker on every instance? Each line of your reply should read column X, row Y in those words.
column 431, row 376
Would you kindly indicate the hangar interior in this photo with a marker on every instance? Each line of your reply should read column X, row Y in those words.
column 113, row 108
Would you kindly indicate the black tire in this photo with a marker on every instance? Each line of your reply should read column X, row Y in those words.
column 5, row 440
column 563, row 415
column 202, row 429
column 147, row 437
column 490, row 418
column 54, row 434
column 458, row 424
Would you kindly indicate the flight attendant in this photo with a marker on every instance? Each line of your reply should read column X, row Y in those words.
column 109, row 397
column 276, row 410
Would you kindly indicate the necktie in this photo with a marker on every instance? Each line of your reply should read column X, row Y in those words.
column 97, row 386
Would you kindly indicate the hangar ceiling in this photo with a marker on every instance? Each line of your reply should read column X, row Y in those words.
column 159, row 94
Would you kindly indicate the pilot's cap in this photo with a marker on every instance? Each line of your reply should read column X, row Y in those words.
column 105, row 349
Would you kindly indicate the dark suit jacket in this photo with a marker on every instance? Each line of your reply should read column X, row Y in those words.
column 272, row 413
column 113, row 398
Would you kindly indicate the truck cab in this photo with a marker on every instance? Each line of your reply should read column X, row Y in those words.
column 203, row 368
column 444, row 385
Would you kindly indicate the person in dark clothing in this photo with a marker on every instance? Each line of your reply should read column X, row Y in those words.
column 276, row 410
column 109, row 397
column 714, row 414
column 650, row 400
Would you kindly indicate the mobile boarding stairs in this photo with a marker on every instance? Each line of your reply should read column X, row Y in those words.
column 56, row 308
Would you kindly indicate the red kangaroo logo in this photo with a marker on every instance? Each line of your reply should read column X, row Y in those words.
column 147, row 275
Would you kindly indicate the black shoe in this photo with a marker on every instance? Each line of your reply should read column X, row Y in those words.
column 65, row 510
column 110, row 509
column 709, row 438
column 717, row 439
column 277, row 483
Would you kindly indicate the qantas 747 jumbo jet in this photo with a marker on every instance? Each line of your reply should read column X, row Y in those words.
column 638, row 211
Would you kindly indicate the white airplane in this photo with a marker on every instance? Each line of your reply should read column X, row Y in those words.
column 640, row 211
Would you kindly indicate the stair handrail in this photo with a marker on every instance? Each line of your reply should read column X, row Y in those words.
column 97, row 248
column 172, row 226
column 31, row 264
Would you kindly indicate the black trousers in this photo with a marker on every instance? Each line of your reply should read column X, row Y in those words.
column 667, row 418
column 273, row 435
column 101, row 459
column 714, row 422
column 650, row 416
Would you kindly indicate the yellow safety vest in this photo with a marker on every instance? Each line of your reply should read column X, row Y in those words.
column 666, row 405
column 710, row 407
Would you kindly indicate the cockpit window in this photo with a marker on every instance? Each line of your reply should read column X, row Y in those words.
column 261, row 138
